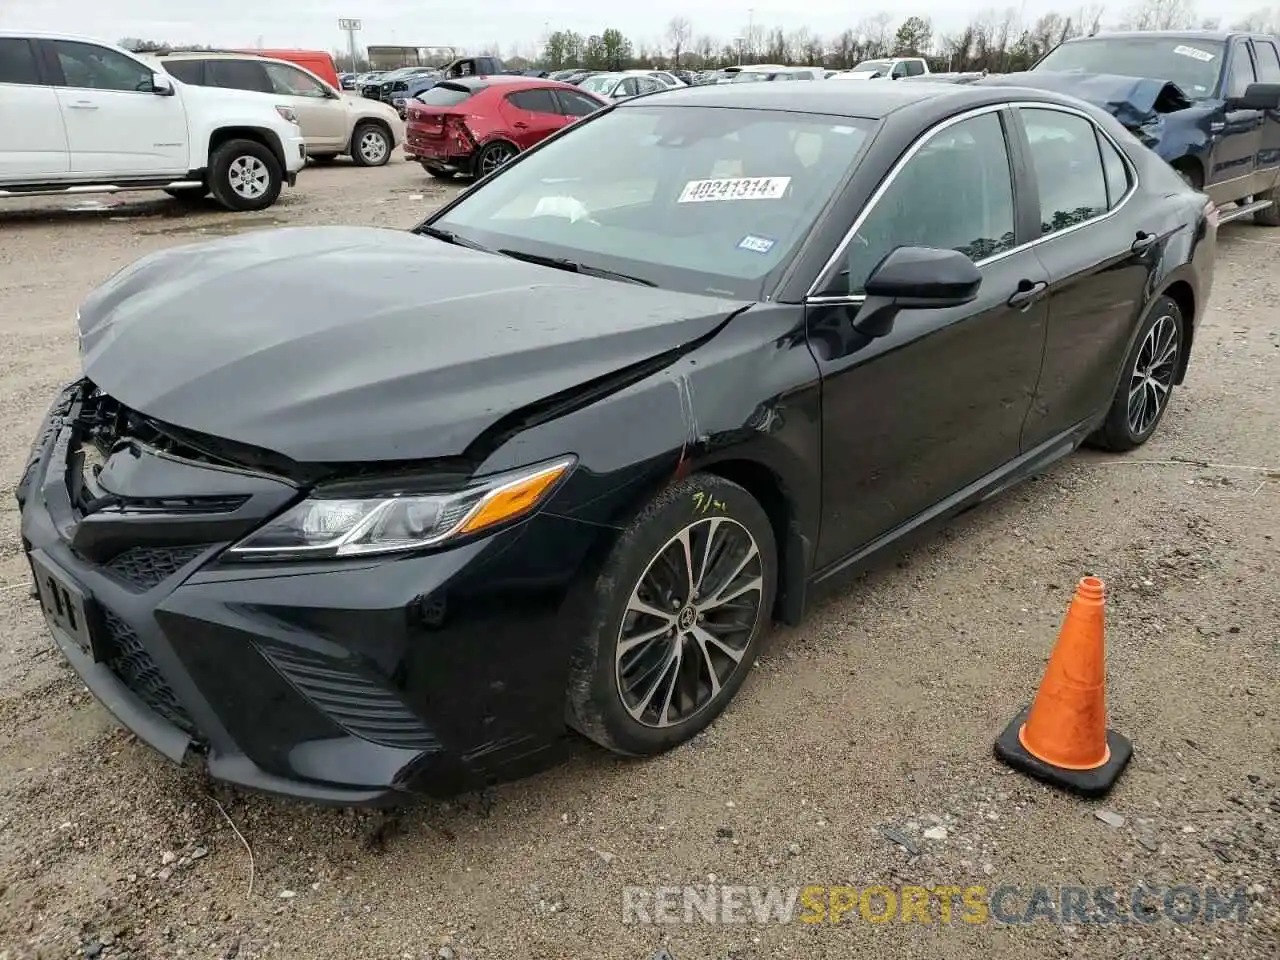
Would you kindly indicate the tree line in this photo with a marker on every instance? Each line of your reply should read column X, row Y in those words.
column 997, row 41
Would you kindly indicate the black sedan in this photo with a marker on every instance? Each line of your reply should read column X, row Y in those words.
column 351, row 514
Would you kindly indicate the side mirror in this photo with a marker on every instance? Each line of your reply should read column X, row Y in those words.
column 1257, row 96
column 161, row 85
column 915, row 278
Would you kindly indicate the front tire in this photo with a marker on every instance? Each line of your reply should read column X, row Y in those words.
column 370, row 145
column 244, row 175
column 681, row 608
column 1147, row 382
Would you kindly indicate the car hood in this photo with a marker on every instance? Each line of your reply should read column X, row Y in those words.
column 344, row 344
column 1134, row 101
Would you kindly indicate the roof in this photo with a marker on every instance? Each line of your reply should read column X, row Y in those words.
column 1216, row 35
column 870, row 101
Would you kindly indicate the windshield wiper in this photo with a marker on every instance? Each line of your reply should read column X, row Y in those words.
column 572, row 266
column 448, row 236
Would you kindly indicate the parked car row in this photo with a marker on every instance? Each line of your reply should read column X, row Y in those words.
column 83, row 116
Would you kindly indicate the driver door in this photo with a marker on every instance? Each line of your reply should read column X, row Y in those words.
column 911, row 418
column 116, row 125
column 1238, row 134
column 322, row 117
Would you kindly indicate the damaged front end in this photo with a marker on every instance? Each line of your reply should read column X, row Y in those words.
column 1155, row 111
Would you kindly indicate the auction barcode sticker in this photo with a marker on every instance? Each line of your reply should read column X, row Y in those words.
column 1194, row 52
column 734, row 188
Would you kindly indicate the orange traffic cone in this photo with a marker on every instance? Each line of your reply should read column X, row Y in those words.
column 1062, row 738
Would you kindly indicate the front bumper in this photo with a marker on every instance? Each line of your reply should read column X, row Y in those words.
column 295, row 156
column 347, row 682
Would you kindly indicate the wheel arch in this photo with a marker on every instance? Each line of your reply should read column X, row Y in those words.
column 267, row 138
column 1182, row 293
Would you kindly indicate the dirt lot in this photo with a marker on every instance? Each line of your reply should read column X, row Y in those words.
column 879, row 713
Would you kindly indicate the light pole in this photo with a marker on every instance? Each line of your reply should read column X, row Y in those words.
column 350, row 26
column 751, row 30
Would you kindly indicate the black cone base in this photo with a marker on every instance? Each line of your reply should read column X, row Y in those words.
column 1087, row 783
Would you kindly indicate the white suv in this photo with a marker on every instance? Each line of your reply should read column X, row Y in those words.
column 333, row 122
column 82, row 116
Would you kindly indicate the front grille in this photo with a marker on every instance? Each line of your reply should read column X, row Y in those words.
column 141, row 568
column 129, row 660
column 358, row 704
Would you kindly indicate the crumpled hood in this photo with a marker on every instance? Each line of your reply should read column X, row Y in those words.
column 342, row 344
column 1133, row 101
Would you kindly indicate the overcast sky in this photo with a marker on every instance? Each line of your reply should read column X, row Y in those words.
column 475, row 23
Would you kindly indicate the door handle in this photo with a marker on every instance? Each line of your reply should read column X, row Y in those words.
column 83, row 105
column 1028, row 293
column 520, row 125
column 1143, row 242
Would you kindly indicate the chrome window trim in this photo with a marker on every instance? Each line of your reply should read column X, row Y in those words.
column 920, row 142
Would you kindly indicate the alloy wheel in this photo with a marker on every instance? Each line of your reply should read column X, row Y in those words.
column 249, row 177
column 1153, row 373
column 373, row 147
column 494, row 157
column 689, row 622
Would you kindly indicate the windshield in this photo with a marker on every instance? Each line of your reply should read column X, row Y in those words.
column 600, row 83
column 700, row 199
column 872, row 66
column 1191, row 64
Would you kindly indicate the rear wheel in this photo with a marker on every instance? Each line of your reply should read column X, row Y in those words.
column 681, row 608
column 244, row 175
column 370, row 145
column 1270, row 217
column 1147, row 382
column 493, row 156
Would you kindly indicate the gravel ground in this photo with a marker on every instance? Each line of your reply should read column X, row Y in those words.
column 878, row 714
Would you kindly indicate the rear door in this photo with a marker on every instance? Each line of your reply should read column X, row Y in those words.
column 532, row 115
column 575, row 105
column 116, row 125
column 1097, row 280
column 1233, row 158
column 33, row 139
column 322, row 117
column 1266, row 56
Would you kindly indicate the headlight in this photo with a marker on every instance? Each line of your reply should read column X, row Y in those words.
column 321, row 527
column 288, row 113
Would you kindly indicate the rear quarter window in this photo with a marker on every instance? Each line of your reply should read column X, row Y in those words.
column 445, row 95
column 188, row 71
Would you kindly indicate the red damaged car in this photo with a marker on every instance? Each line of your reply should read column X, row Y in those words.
column 473, row 125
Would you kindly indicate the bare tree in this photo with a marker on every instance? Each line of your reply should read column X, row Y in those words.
column 679, row 31
column 1160, row 15
column 1260, row 21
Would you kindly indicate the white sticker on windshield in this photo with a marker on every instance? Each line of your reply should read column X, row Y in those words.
column 569, row 207
column 1195, row 53
column 734, row 188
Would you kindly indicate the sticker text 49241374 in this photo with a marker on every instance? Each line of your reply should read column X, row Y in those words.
column 734, row 188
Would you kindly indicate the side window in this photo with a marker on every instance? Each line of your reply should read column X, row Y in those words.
column 915, row 68
column 628, row 87
column 955, row 193
column 290, row 82
column 239, row 75
column 575, row 104
column 1068, row 166
column 1268, row 56
column 899, row 70
column 1115, row 170
column 18, row 62
column 1241, row 74
column 650, row 85
column 188, row 71
column 535, row 101
column 92, row 67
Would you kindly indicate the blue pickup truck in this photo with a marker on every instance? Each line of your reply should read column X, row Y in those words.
column 1207, row 102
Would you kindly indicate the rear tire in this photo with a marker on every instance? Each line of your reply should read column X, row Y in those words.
column 492, row 156
column 244, row 175
column 1269, row 217
column 671, row 641
column 371, row 145
column 1146, row 385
